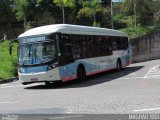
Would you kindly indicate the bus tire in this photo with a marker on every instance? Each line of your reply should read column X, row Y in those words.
column 81, row 73
column 47, row 83
column 24, row 83
column 119, row 65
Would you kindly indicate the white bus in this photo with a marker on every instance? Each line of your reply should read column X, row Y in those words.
column 67, row 52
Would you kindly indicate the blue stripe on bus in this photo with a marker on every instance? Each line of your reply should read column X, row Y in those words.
column 34, row 69
column 70, row 70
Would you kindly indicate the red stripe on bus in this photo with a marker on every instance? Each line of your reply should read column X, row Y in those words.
column 127, row 64
column 68, row 78
column 99, row 71
column 92, row 73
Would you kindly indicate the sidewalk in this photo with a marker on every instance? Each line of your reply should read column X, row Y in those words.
column 2, row 81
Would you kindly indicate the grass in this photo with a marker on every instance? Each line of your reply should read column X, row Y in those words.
column 8, row 63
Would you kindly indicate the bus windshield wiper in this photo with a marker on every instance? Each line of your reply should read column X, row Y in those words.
column 25, row 58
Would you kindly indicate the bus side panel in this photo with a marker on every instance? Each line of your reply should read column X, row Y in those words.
column 123, row 55
column 94, row 65
column 130, row 53
column 126, row 57
column 69, row 71
column 101, row 64
column 53, row 74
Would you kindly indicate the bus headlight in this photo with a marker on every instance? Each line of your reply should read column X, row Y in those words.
column 21, row 70
column 52, row 66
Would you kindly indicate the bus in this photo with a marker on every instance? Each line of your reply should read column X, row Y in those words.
column 64, row 52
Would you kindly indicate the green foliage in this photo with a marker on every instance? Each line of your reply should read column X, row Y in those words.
column 6, row 14
column 94, row 11
column 20, row 7
column 86, row 12
column 136, row 32
column 19, row 15
column 144, row 10
column 119, row 21
column 145, row 17
column 64, row 4
column 129, row 21
column 127, row 7
column 96, row 24
column 8, row 63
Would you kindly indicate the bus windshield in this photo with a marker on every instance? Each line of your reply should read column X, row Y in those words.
column 37, row 53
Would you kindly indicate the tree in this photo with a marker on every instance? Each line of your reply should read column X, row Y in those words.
column 90, row 8
column 64, row 4
column 145, row 12
column 7, row 18
column 127, row 7
column 6, row 14
column 141, row 9
column 21, row 10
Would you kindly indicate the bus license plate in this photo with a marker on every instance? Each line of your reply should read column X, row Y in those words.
column 34, row 79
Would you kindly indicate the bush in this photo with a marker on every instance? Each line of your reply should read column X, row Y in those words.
column 136, row 32
column 8, row 64
column 119, row 21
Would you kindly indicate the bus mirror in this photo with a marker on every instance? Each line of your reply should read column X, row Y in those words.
column 10, row 46
column 10, row 50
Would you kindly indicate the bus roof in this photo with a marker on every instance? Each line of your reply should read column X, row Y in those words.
column 72, row 29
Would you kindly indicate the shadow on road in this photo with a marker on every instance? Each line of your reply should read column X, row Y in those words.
column 91, row 80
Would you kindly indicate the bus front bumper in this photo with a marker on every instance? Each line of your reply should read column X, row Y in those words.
column 50, row 76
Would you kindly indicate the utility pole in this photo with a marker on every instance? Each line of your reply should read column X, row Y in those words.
column 135, row 14
column 112, row 15
column 25, row 17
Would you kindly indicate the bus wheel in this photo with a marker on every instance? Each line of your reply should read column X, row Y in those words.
column 81, row 74
column 119, row 66
column 47, row 83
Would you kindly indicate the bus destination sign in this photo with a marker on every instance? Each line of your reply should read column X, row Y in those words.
column 32, row 39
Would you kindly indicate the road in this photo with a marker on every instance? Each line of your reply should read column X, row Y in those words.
column 135, row 89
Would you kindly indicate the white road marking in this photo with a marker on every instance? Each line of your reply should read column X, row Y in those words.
column 131, row 78
column 10, row 102
column 154, row 76
column 153, row 69
column 149, row 109
column 155, row 73
column 11, row 86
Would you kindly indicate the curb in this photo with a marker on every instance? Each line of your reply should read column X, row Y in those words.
column 2, row 81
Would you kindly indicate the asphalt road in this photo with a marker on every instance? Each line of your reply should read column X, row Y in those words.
column 135, row 89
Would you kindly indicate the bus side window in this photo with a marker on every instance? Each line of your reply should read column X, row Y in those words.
column 114, row 44
column 119, row 44
column 76, row 49
column 90, row 47
column 125, row 40
column 66, row 44
column 122, row 43
column 83, row 47
column 67, row 49
column 108, row 46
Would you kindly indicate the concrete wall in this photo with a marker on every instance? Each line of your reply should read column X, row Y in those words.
column 146, row 47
